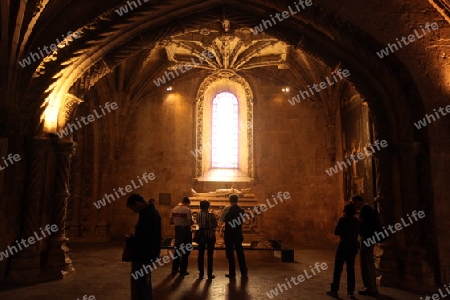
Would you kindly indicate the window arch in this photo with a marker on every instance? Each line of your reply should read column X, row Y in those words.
column 225, row 131
column 232, row 148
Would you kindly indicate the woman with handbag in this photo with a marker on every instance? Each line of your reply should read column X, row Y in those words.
column 207, row 223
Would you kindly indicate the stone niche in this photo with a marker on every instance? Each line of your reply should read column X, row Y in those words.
column 219, row 199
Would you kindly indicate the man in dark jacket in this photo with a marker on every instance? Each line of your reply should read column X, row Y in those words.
column 233, row 217
column 146, row 246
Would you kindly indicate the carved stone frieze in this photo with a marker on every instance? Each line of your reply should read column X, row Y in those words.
column 234, row 51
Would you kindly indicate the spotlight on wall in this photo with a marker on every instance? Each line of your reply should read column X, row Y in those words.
column 169, row 88
column 285, row 89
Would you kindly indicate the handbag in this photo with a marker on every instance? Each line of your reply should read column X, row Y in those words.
column 128, row 249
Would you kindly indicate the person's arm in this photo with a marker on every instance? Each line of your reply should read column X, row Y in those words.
column 171, row 218
column 213, row 220
column 338, row 228
column 189, row 217
column 223, row 214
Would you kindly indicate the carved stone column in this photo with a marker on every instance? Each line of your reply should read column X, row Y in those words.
column 25, row 265
column 56, row 261
column 386, row 257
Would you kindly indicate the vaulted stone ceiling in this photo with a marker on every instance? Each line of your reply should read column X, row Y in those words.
column 320, row 39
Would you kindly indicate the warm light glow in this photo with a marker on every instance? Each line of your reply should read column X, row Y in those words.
column 51, row 113
column 225, row 128
column 173, row 98
column 285, row 89
column 169, row 88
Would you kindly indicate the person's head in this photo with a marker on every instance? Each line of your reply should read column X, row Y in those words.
column 136, row 202
column 358, row 201
column 185, row 201
column 204, row 205
column 350, row 209
column 234, row 199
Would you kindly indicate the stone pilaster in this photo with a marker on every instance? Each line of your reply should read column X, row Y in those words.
column 25, row 265
column 57, row 260
column 386, row 261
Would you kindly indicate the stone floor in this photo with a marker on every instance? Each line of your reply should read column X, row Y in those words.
column 99, row 272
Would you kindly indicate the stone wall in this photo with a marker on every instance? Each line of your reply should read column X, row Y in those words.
column 290, row 156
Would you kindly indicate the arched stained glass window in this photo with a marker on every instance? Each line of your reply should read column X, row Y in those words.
column 225, row 131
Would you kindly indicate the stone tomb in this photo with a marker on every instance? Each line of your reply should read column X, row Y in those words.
column 255, row 243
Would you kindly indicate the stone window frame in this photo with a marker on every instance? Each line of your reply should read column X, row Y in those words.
column 224, row 81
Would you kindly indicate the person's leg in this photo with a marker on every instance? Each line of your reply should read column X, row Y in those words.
column 186, row 240
column 177, row 260
column 200, row 260
column 133, row 282
column 371, row 270
column 241, row 258
column 368, row 268
column 141, row 286
column 230, row 256
column 339, row 260
column 350, row 262
column 211, row 244
column 363, row 263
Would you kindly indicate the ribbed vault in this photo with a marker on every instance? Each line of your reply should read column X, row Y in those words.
column 319, row 36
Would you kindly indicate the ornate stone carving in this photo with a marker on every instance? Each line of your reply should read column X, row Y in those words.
column 71, row 102
column 232, row 51
column 38, row 150
column 57, row 255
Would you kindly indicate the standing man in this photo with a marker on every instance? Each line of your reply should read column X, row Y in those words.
column 367, row 228
column 182, row 219
column 146, row 246
column 233, row 237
